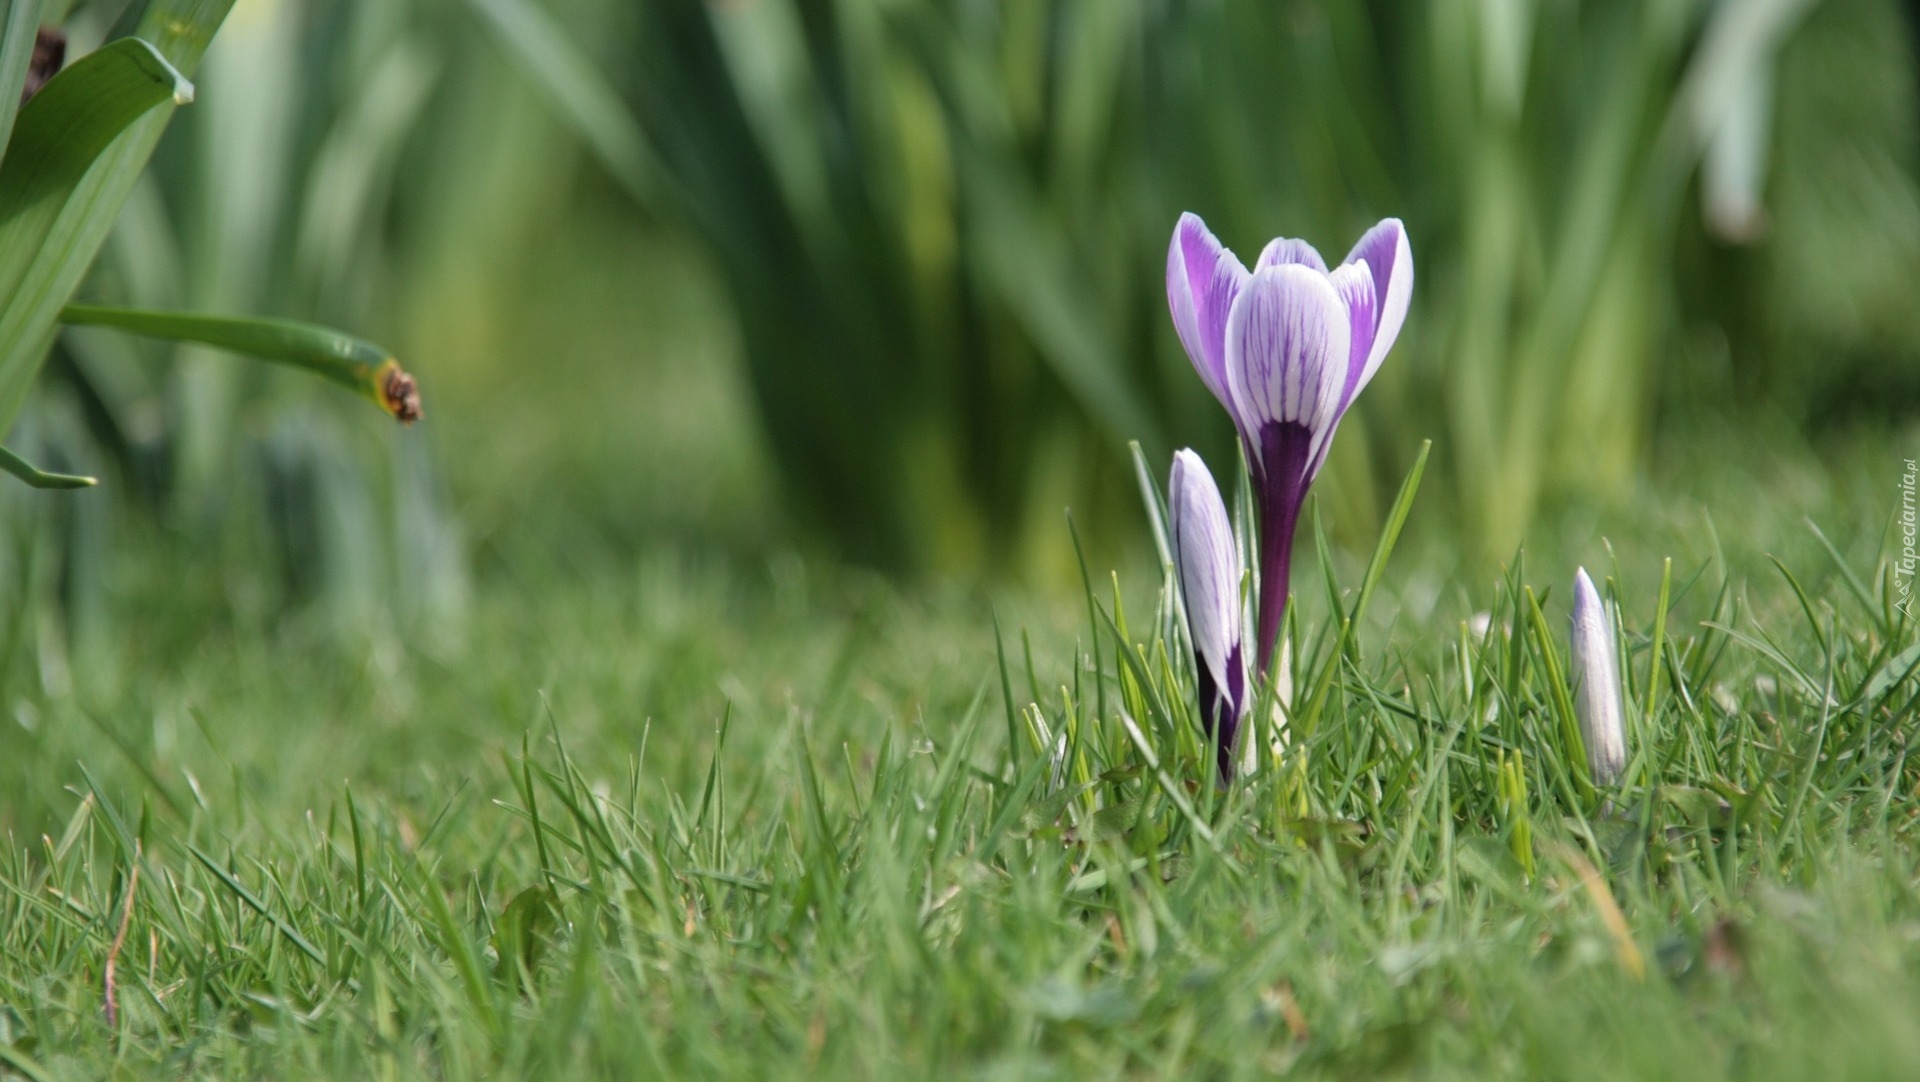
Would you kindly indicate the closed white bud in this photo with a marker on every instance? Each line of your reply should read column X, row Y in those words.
column 1596, row 684
column 1208, row 565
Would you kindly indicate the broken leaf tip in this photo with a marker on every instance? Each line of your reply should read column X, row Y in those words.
column 399, row 393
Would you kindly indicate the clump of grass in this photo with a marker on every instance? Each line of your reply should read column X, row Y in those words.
column 875, row 867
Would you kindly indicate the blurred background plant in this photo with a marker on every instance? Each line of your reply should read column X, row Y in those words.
column 277, row 195
column 894, row 268
column 941, row 226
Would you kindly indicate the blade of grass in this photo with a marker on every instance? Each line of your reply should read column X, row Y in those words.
column 1655, row 668
column 466, row 962
column 21, row 1062
column 1854, row 586
column 1573, row 744
column 1156, row 504
column 1006, row 696
column 1093, row 623
column 1174, row 793
column 1390, row 532
column 254, row 903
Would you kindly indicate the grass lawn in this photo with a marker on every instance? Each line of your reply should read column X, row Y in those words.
column 532, row 853
column 671, row 801
column 537, row 742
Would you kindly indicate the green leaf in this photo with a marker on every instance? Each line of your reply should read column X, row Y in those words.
column 180, row 29
column 19, row 1061
column 1112, row 822
column 466, row 961
column 30, row 301
column 39, row 478
column 1396, row 518
column 520, row 938
column 1897, row 669
column 19, row 21
column 76, row 116
column 44, row 182
column 353, row 363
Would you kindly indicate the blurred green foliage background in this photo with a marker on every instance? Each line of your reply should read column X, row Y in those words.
column 883, row 278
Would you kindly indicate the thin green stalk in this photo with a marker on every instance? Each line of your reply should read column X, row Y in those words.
column 354, row 363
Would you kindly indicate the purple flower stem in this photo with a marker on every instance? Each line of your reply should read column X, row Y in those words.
column 1282, row 487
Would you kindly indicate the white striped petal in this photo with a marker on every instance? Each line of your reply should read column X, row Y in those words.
column 1287, row 343
column 1203, row 277
column 1386, row 253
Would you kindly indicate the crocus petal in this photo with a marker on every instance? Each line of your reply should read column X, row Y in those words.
column 1354, row 283
column 1208, row 565
column 1596, row 679
column 1283, row 250
column 1385, row 251
column 1203, row 277
column 1287, row 352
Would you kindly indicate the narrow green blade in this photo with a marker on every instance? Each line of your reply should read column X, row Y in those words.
column 1396, row 519
column 180, row 30
column 58, row 138
column 39, row 478
column 353, row 363
column 70, row 123
column 19, row 20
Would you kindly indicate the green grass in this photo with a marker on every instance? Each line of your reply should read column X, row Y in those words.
column 717, row 815
column 660, row 797
column 519, row 846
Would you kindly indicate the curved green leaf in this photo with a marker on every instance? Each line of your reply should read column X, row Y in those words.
column 69, row 124
column 353, row 363
column 58, row 137
column 52, row 211
column 19, row 20
column 39, row 478
column 29, row 302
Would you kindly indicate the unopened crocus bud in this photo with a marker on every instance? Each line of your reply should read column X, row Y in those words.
column 1596, row 684
column 1208, row 567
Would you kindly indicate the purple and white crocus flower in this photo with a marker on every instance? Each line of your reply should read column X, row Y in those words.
column 1208, row 565
column 1286, row 348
